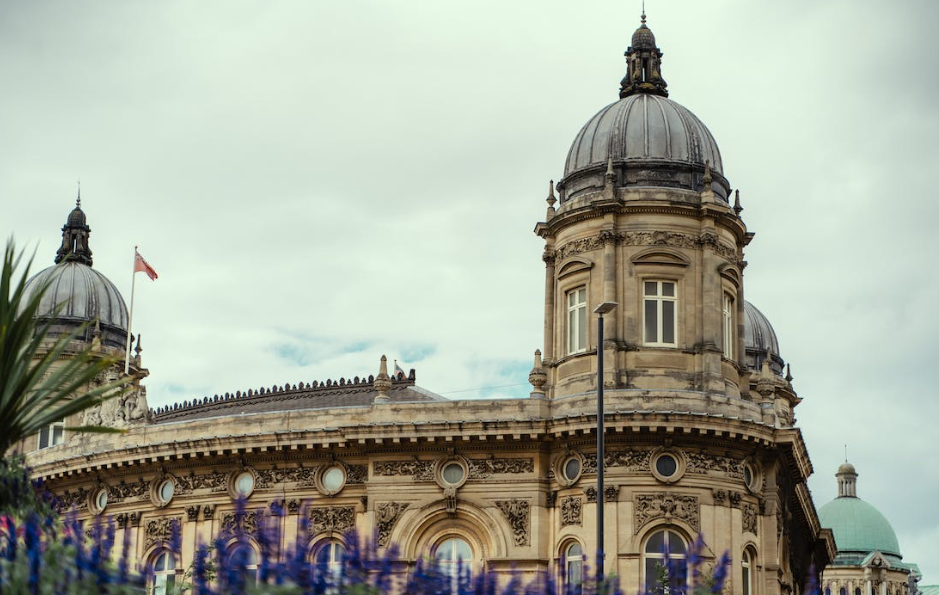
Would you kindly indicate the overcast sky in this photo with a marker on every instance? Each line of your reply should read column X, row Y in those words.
column 320, row 183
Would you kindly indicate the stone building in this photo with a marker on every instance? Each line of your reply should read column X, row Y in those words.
column 699, row 427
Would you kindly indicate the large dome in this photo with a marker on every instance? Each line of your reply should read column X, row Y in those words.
column 858, row 527
column 643, row 127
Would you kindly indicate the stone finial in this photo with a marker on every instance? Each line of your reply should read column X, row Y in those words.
column 610, row 174
column 538, row 377
column 708, row 178
column 382, row 382
column 96, row 336
column 737, row 207
column 550, row 200
column 788, row 374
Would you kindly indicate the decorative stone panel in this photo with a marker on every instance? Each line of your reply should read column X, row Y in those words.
column 160, row 529
column 334, row 519
column 518, row 513
column 386, row 515
column 666, row 505
column 572, row 511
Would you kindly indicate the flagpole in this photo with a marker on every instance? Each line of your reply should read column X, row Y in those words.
column 130, row 317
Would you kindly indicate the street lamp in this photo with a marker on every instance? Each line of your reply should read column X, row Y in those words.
column 604, row 308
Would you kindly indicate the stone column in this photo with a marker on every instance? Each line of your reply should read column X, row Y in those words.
column 549, row 313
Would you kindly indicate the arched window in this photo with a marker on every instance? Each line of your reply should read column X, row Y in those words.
column 329, row 560
column 827, row 591
column 244, row 558
column 164, row 574
column 452, row 555
column 746, row 561
column 843, row 591
column 573, row 568
column 664, row 564
column 857, row 591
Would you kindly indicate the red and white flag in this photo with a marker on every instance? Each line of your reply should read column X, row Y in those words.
column 141, row 266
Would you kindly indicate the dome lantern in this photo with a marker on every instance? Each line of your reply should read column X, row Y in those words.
column 75, row 234
column 643, row 65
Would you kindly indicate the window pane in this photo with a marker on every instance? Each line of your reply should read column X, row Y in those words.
column 44, row 437
column 581, row 328
column 571, row 299
column 655, row 575
column 58, row 434
column 582, row 295
column 571, row 471
column 668, row 322
column 746, row 581
column 572, row 331
column 656, row 544
column 675, row 544
column 651, row 288
column 651, row 332
column 668, row 289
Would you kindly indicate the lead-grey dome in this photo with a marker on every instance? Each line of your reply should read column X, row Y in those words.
column 760, row 341
column 644, row 127
column 86, row 295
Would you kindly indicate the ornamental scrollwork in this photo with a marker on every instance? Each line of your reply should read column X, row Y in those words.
column 701, row 463
column 333, row 519
column 123, row 490
column 591, row 493
column 387, row 514
column 665, row 505
column 356, row 474
column 483, row 468
column 77, row 499
column 518, row 513
column 215, row 481
column 160, row 529
column 246, row 522
column 192, row 513
column 420, row 470
column 572, row 511
column 631, row 461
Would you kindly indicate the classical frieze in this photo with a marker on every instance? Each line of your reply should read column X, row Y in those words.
column 333, row 519
column 77, row 500
column 631, row 461
column 216, row 481
column 386, row 515
column 703, row 463
column 478, row 468
column 667, row 505
column 356, row 474
column 160, row 529
column 518, row 513
column 303, row 476
column 572, row 511
column 646, row 238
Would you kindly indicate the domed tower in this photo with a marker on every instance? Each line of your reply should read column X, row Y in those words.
column 78, row 298
column 868, row 560
column 696, row 390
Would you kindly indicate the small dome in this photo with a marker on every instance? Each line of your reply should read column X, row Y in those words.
column 643, row 38
column 858, row 527
column 846, row 467
column 759, row 340
column 76, row 218
column 87, row 295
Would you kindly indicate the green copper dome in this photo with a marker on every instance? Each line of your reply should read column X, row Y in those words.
column 858, row 526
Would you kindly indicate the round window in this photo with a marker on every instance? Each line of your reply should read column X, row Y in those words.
column 167, row 488
column 334, row 478
column 748, row 475
column 666, row 465
column 453, row 473
column 244, row 483
column 572, row 469
column 101, row 499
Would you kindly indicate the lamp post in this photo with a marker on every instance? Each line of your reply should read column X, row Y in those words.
column 604, row 308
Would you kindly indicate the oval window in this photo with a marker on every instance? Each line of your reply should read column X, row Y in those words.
column 453, row 473
column 572, row 469
column 167, row 489
column 244, row 483
column 666, row 465
column 748, row 475
column 334, row 478
column 101, row 499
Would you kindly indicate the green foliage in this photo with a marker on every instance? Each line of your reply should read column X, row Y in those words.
column 41, row 379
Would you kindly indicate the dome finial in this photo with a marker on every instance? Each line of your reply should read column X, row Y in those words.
column 78, row 201
column 847, row 478
column 644, row 64
column 75, row 233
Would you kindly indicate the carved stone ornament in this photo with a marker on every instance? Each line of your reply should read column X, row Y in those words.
column 646, row 238
column 302, row 476
column 551, row 499
column 160, row 529
column 720, row 496
column 77, row 499
column 591, row 493
column 124, row 491
column 702, row 463
column 208, row 511
column 735, row 498
column 332, row 519
column 122, row 518
column 649, row 507
column 293, row 506
column 518, row 513
column 356, row 474
column 386, row 515
column 192, row 513
column 610, row 493
column 572, row 511
column 749, row 518
column 247, row 522
column 135, row 519
column 632, row 461
column 128, row 409
column 420, row 470
column 216, row 481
